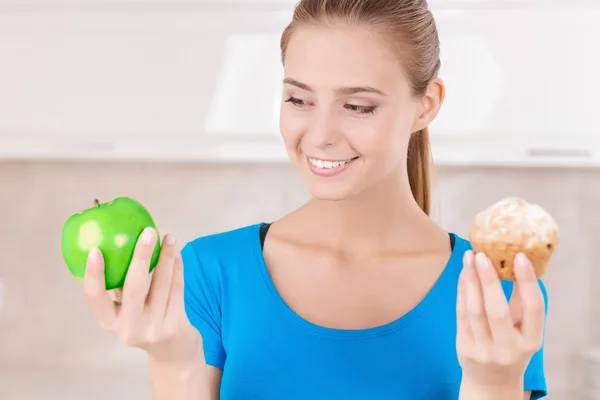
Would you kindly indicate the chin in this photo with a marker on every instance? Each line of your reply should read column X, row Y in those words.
column 330, row 193
column 331, row 189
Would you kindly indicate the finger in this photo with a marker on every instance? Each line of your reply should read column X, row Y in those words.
column 496, row 306
column 176, row 306
column 94, row 288
column 136, row 281
column 476, row 307
column 158, row 296
column 463, row 329
column 532, row 300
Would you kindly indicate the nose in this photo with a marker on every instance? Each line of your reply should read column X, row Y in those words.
column 323, row 132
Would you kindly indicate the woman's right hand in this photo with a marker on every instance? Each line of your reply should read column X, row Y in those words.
column 153, row 320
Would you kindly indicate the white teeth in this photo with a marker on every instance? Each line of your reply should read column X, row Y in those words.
column 327, row 164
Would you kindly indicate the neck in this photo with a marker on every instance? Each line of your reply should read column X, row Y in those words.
column 378, row 219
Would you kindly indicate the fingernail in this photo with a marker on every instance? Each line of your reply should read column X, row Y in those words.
column 521, row 261
column 170, row 239
column 94, row 254
column 467, row 258
column 148, row 236
column 469, row 265
column 482, row 261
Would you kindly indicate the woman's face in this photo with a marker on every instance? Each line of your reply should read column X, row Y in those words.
column 347, row 110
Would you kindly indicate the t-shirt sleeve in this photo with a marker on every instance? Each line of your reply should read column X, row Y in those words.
column 202, row 298
column 535, row 377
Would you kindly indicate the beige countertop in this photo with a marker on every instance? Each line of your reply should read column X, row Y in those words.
column 71, row 383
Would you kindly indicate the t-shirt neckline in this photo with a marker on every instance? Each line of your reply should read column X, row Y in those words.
column 413, row 314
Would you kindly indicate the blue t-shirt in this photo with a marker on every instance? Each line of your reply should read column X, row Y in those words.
column 268, row 352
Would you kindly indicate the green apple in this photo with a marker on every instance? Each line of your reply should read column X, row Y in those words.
column 114, row 227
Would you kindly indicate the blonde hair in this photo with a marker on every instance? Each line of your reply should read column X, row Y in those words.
column 411, row 27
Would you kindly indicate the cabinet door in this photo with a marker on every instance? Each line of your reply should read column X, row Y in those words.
column 520, row 70
column 86, row 78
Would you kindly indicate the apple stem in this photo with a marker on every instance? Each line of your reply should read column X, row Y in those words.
column 96, row 203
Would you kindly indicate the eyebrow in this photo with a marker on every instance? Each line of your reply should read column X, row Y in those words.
column 344, row 90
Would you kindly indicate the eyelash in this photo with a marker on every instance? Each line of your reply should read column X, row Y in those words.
column 354, row 108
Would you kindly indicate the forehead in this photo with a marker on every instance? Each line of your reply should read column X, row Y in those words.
column 342, row 55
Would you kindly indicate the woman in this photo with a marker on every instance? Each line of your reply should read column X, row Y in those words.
column 358, row 294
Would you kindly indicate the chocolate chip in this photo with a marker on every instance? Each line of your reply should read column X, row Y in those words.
column 502, row 264
column 549, row 245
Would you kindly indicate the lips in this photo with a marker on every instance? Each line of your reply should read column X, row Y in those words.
column 326, row 168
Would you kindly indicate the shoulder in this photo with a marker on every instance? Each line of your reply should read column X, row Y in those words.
column 225, row 243
column 208, row 254
column 461, row 244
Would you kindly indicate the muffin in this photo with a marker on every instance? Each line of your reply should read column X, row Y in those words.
column 513, row 226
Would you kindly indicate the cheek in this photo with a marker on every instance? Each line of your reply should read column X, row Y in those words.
column 291, row 127
column 377, row 137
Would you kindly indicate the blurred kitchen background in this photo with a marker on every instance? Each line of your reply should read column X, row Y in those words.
column 175, row 103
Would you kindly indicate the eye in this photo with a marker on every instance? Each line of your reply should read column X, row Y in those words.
column 296, row 102
column 360, row 109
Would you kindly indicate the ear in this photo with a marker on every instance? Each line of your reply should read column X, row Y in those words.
column 430, row 104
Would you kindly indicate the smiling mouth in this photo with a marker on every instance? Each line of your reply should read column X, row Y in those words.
column 329, row 164
column 327, row 168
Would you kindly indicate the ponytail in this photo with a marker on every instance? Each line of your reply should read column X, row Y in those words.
column 419, row 168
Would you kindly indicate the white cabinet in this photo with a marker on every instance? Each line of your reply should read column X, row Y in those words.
column 147, row 72
column 523, row 72
column 201, row 79
column 174, row 82
column 522, row 83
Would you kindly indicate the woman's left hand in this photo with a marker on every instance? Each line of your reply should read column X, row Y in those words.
column 496, row 339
